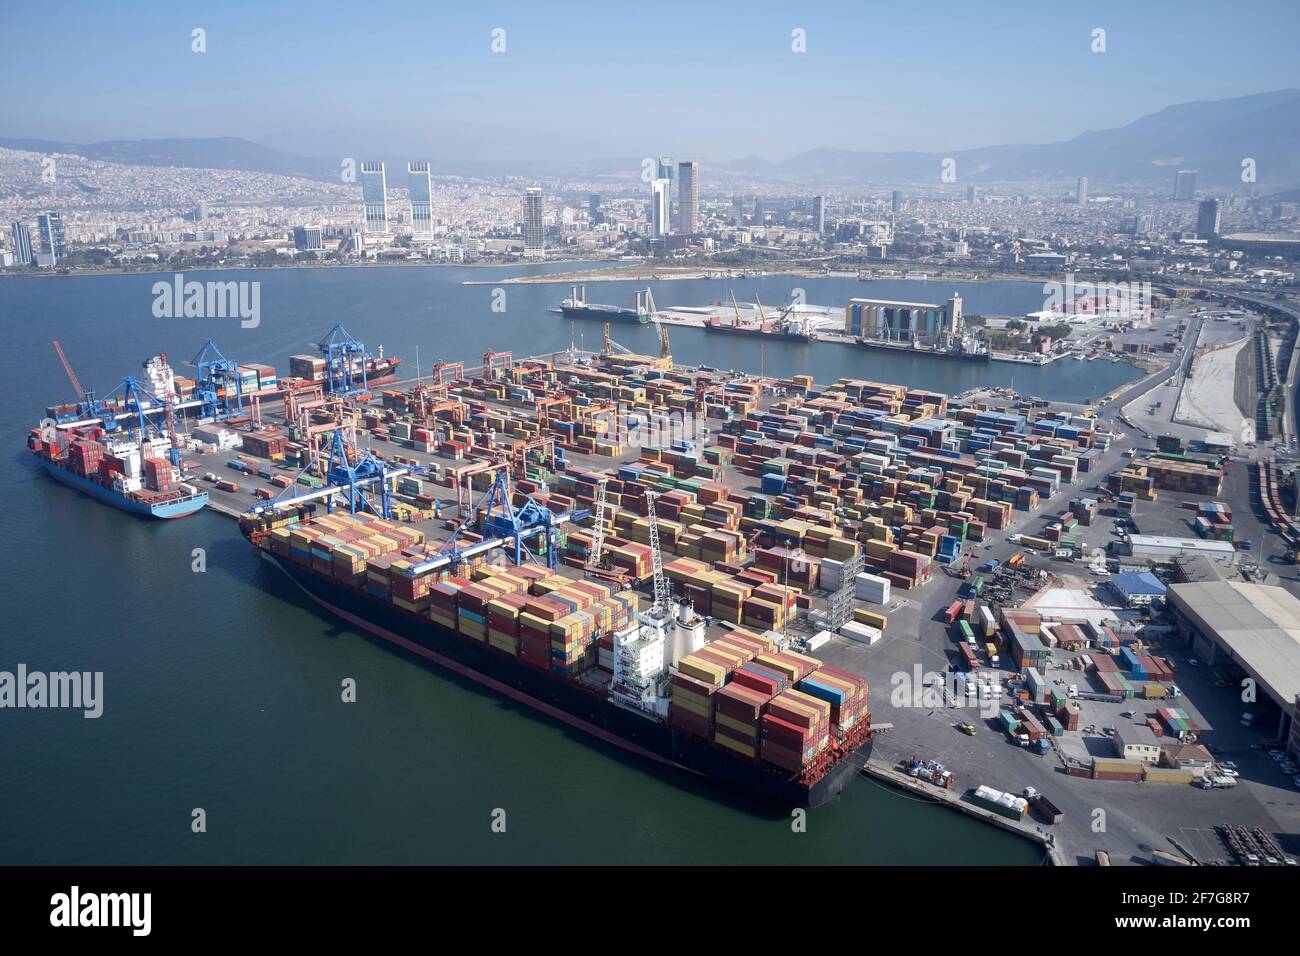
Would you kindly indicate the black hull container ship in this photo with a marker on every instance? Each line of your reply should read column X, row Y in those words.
column 541, row 676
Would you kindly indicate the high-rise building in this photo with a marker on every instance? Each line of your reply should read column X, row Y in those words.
column 1081, row 191
column 421, row 200
column 819, row 214
column 971, row 194
column 593, row 208
column 374, row 194
column 307, row 238
column 895, row 201
column 1207, row 219
column 688, row 197
column 659, row 190
column 758, row 211
column 1185, row 184
column 534, row 235
column 22, row 236
column 50, row 226
column 665, row 168
column 200, row 212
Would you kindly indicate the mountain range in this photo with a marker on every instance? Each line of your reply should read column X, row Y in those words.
column 1213, row 137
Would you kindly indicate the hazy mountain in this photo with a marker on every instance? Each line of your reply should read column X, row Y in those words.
column 224, row 152
column 1212, row 137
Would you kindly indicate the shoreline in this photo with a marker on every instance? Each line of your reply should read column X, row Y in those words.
column 895, row 779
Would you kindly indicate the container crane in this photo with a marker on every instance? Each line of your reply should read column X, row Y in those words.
column 662, row 597
column 344, row 356
column 83, row 396
column 217, row 379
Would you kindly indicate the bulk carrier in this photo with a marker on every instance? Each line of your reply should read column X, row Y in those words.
column 576, row 306
column 379, row 577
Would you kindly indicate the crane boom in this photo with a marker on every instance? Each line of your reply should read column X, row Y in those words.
column 67, row 367
column 663, row 599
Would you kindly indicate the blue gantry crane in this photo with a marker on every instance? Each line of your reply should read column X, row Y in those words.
column 502, row 521
column 345, row 362
column 216, row 382
column 365, row 484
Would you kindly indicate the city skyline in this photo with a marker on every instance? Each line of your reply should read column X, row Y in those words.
column 486, row 104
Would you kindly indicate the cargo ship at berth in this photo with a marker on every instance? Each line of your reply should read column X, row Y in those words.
column 509, row 659
column 576, row 306
column 766, row 330
column 906, row 348
column 118, row 451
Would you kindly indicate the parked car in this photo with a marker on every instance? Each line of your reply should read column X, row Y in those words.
column 1228, row 771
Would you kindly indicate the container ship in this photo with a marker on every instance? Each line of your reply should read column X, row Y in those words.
column 576, row 306
column 960, row 354
column 737, row 710
column 136, row 476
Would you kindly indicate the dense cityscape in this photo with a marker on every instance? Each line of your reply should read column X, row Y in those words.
column 70, row 213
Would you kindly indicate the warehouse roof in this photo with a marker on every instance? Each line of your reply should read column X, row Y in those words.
column 1186, row 544
column 1133, row 735
column 1143, row 582
column 1258, row 624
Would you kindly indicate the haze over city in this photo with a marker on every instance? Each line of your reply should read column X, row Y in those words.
column 588, row 82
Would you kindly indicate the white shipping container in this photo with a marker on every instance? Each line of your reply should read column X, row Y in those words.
column 862, row 633
column 831, row 575
column 870, row 587
column 819, row 640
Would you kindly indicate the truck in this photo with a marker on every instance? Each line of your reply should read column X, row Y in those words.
column 992, row 651
column 952, row 613
column 976, row 585
column 1045, row 809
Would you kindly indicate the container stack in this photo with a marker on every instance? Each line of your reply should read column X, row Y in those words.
column 845, row 692
column 795, row 729
column 738, row 711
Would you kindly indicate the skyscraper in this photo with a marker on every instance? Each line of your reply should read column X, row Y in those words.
column 971, row 194
column 659, row 190
column 374, row 194
column 307, row 239
column 421, row 200
column 819, row 214
column 688, row 197
column 1185, row 184
column 22, row 237
column 895, row 201
column 665, row 169
column 50, row 225
column 1207, row 219
column 593, row 208
column 1081, row 192
column 534, row 235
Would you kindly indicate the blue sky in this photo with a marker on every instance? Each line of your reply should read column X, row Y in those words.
column 587, row 80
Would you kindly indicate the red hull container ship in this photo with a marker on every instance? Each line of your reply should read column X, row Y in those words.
column 778, row 725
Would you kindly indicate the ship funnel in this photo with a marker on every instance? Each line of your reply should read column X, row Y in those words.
column 685, row 612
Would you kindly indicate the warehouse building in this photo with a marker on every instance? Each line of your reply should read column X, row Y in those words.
column 1137, row 589
column 1160, row 549
column 1257, row 628
column 1137, row 742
